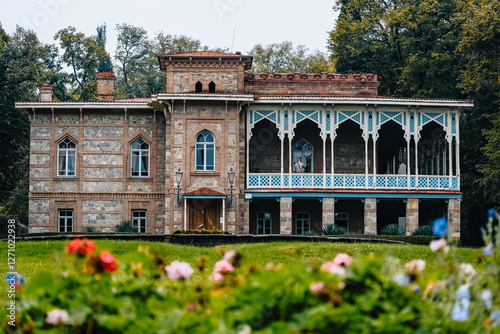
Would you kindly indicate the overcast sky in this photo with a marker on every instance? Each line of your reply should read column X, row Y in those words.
column 211, row 21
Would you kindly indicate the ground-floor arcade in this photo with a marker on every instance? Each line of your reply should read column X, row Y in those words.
column 298, row 213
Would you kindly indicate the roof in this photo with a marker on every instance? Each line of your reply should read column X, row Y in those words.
column 207, row 54
column 204, row 193
column 135, row 100
column 207, row 57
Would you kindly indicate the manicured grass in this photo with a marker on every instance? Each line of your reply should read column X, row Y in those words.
column 33, row 257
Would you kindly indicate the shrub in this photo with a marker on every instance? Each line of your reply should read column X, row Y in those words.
column 423, row 230
column 144, row 292
column 202, row 231
column 409, row 239
column 4, row 220
column 331, row 229
column 89, row 229
column 309, row 234
column 392, row 229
column 126, row 226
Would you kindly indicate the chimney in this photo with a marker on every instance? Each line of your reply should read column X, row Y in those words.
column 46, row 93
column 105, row 87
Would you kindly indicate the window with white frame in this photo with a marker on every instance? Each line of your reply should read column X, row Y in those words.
column 65, row 220
column 139, row 220
column 140, row 158
column 205, row 151
column 302, row 222
column 264, row 223
column 66, row 157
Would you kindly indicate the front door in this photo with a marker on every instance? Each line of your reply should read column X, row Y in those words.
column 205, row 213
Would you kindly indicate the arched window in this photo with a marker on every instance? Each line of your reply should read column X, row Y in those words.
column 66, row 157
column 199, row 87
column 205, row 151
column 211, row 87
column 140, row 158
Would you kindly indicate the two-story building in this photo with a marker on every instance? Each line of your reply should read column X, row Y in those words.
column 221, row 148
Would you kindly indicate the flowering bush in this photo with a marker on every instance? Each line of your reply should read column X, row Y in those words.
column 144, row 293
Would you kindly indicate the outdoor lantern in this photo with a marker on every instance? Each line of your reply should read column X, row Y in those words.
column 177, row 196
column 231, row 176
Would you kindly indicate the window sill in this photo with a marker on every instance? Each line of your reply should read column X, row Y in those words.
column 140, row 178
column 69, row 178
column 205, row 173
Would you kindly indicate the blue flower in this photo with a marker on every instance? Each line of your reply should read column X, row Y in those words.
column 492, row 214
column 495, row 316
column 459, row 312
column 440, row 226
column 486, row 296
column 488, row 250
column 15, row 278
column 401, row 279
column 463, row 292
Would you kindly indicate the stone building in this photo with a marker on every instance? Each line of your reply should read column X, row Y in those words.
column 218, row 149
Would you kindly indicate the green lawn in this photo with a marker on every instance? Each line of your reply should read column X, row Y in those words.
column 32, row 257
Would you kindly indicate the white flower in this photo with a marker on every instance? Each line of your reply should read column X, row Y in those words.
column 57, row 316
column 467, row 269
column 177, row 270
column 415, row 266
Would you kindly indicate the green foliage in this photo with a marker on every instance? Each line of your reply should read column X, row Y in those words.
column 371, row 295
column 392, row 229
column 330, row 229
column 126, row 226
column 88, row 229
column 309, row 234
column 4, row 223
column 423, row 230
column 410, row 239
column 82, row 56
column 410, row 45
column 284, row 58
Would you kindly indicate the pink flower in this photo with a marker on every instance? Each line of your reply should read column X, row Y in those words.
column 436, row 245
column 179, row 270
column 57, row 316
column 216, row 277
column 333, row 268
column 316, row 287
column 191, row 308
column 223, row 266
column 342, row 259
column 415, row 266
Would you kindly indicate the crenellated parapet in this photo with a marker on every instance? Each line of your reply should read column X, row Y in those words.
column 350, row 84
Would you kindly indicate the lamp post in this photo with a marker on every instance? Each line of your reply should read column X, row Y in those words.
column 177, row 196
column 231, row 176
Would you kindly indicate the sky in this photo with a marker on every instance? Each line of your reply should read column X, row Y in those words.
column 213, row 22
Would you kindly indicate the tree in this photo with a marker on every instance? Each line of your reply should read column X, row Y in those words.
column 284, row 58
column 410, row 44
column 82, row 55
column 105, row 64
column 131, row 53
column 23, row 63
column 479, row 76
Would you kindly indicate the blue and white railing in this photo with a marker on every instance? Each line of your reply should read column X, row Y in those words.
column 351, row 181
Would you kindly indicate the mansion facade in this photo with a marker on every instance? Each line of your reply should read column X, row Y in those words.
column 220, row 149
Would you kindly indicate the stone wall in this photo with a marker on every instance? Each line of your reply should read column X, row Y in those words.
column 102, row 193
